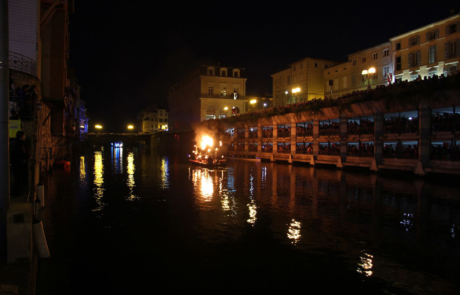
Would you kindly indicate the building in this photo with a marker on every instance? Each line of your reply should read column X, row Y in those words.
column 355, row 74
column 207, row 92
column 430, row 50
column 302, row 81
column 152, row 119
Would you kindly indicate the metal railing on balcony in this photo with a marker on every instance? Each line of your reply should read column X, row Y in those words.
column 22, row 63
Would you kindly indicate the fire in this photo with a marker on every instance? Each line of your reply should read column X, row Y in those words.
column 206, row 141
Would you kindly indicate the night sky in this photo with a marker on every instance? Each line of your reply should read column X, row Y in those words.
column 128, row 53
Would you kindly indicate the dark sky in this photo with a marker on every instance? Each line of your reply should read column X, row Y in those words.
column 127, row 53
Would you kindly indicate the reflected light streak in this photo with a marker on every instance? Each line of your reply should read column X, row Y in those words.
column 366, row 264
column 203, row 180
column 294, row 231
column 407, row 221
column 98, row 180
column 82, row 169
column 164, row 170
column 131, row 183
column 253, row 213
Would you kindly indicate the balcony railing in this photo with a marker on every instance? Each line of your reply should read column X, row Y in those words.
column 22, row 63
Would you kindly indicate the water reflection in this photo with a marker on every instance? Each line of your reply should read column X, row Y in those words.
column 98, row 180
column 252, row 204
column 365, row 265
column 203, row 181
column 407, row 221
column 82, row 171
column 164, row 169
column 117, row 160
column 294, row 231
column 131, row 183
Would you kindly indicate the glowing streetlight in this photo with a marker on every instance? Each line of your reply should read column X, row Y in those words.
column 130, row 127
column 226, row 109
column 98, row 126
column 368, row 72
column 253, row 103
column 296, row 90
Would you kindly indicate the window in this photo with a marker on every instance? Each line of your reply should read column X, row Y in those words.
column 398, row 63
column 432, row 35
column 326, row 66
column 414, row 40
column 375, row 56
column 353, row 79
column 210, row 90
column 414, row 59
column 345, row 82
column 316, row 64
column 363, row 60
column 223, row 72
column 211, row 71
column 452, row 28
column 353, row 62
column 301, row 65
column 223, row 92
column 386, row 71
column 432, row 54
column 451, row 49
column 294, row 78
column 288, row 80
column 236, row 73
column 386, row 52
column 398, row 46
column 336, row 84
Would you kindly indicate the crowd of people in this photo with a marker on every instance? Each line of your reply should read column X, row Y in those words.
column 445, row 152
column 284, row 148
column 252, row 147
column 267, row 132
column 398, row 125
column 329, row 149
column 399, row 151
column 329, row 128
column 240, row 146
column 363, row 126
column 304, row 129
column 284, row 131
column 267, row 148
column 304, row 148
column 365, row 149
column 445, row 122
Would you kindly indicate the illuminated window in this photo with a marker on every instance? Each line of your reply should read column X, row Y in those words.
column 223, row 92
column 386, row 52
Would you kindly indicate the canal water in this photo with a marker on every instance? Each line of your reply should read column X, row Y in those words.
column 122, row 222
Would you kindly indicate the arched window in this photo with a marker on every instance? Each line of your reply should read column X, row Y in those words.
column 223, row 72
column 236, row 73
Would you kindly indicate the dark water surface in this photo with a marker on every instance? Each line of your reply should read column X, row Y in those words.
column 132, row 223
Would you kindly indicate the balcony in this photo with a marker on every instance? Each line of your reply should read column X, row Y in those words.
column 22, row 63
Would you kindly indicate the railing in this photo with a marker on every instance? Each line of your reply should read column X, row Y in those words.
column 22, row 63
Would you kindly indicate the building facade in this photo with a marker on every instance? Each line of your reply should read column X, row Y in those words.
column 208, row 92
column 430, row 50
column 152, row 120
column 302, row 81
column 354, row 75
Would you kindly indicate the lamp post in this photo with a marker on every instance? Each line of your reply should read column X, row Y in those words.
column 294, row 91
column 98, row 127
column 367, row 72
column 253, row 103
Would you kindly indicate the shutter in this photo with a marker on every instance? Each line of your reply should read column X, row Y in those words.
column 410, row 41
column 446, row 50
column 418, row 39
column 419, row 58
column 437, row 33
column 409, row 60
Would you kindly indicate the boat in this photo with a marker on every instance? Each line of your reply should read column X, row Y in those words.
column 219, row 163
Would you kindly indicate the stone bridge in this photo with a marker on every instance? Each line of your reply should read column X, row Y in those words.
column 128, row 139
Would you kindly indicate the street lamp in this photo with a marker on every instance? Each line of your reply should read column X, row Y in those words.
column 368, row 72
column 98, row 126
column 253, row 102
column 130, row 127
